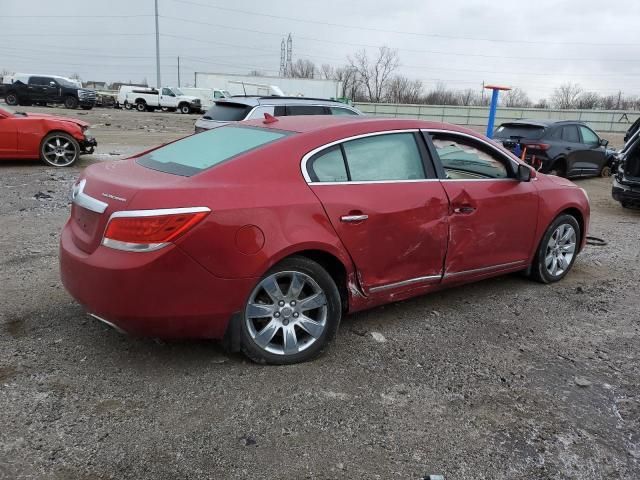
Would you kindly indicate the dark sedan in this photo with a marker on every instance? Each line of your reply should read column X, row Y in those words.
column 563, row 148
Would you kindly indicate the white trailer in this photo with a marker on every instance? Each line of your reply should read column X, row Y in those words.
column 250, row 85
column 206, row 95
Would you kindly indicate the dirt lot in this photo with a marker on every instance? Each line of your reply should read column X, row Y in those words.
column 504, row 379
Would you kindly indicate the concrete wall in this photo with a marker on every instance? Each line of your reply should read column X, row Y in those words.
column 599, row 120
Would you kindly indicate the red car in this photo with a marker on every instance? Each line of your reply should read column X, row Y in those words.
column 57, row 141
column 265, row 233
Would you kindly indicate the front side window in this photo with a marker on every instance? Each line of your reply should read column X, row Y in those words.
column 570, row 134
column 588, row 136
column 341, row 111
column 196, row 153
column 464, row 159
column 305, row 110
column 392, row 156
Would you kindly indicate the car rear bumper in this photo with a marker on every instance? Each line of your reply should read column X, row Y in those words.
column 627, row 194
column 162, row 294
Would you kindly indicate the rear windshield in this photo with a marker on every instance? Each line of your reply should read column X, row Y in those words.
column 198, row 152
column 516, row 130
column 227, row 112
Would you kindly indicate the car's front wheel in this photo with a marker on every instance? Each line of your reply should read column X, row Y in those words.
column 291, row 314
column 558, row 250
column 59, row 149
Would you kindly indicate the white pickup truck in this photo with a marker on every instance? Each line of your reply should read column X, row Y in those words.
column 170, row 98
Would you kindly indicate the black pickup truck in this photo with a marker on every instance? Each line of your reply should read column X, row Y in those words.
column 40, row 90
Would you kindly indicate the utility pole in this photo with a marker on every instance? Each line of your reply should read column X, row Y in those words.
column 178, row 71
column 289, row 52
column 158, row 83
column 482, row 92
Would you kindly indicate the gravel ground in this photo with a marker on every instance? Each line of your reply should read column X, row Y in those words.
column 504, row 379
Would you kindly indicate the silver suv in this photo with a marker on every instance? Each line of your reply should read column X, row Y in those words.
column 237, row 108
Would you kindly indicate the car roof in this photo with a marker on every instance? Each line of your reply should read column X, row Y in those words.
column 311, row 123
column 541, row 122
column 255, row 100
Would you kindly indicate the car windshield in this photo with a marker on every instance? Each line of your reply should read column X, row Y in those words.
column 196, row 153
column 227, row 112
column 519, row 130
column 177, row 91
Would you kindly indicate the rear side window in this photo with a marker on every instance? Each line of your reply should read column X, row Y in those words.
column 384, row 157
column 305, row 110
column 328, row 166
column 517, row 131
column 196, row 153
column 227, row 112
column 570, row 134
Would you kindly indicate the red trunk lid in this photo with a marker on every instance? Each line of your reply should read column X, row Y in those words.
column 115, row 184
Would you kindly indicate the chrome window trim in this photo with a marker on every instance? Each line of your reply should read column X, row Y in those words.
column 307, row 156
column 86, row 201
column 158, row 212
column 402, row 283
column 485, row 269
column 515, row 163
column 369, row 182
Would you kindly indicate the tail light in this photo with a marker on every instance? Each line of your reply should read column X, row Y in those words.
column 538, row 146
column 148, row 230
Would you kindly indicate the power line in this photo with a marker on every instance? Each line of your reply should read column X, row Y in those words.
column 373, row 29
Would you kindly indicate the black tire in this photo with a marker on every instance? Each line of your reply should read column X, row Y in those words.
column 330, row 313
column 127, row 106
column 539, row 268
column 70, row 102
column 184, row 108
column 141, row 106
column 11, row 99
column 59, row 138
column 86, row 107
column 605, row 172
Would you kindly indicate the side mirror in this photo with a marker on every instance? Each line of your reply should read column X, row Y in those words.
column 525, row 174
column 52, row 84
column 604, row 142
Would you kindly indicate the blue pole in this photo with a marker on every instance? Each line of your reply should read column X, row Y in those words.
column 492, row 112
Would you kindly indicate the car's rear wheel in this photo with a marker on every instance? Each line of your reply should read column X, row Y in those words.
column 127, row 105
column 141, row 106
column 558, row 250
column 291, row 314
column 59, row 149
column 559, row 169
column 11, row 99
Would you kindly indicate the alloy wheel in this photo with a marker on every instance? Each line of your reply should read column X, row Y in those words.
column 59, row 151
column 286, row 313
column 560, row 250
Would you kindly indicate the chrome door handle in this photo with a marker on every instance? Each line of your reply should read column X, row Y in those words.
column 353, row 218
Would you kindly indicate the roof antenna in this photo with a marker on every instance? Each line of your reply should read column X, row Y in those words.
column 244, row 89
column 268, row 118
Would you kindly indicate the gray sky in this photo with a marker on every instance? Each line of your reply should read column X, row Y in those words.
column 535, row 45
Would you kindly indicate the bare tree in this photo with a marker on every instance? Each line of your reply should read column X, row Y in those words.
column 469, row 97
column 302, row 68
column 441, row 95
column 542, row 103
column 403, row 90
column 516, row 97
column 588, row 101
column 327, row 72
column 351, row 84
column 75, row 76
column 375, row 73
column 566, row 95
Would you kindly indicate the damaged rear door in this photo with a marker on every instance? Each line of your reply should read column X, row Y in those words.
column 390, row 211
column 493, row 215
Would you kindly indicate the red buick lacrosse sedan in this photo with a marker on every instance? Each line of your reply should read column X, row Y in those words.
column 265, row 233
